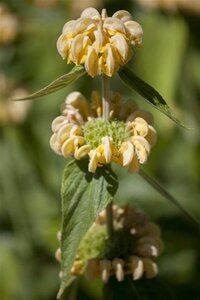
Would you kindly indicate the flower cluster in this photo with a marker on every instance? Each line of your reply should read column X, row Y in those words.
column 101, row 43
column 125, row 139
column 133, row 251
column 9, row 25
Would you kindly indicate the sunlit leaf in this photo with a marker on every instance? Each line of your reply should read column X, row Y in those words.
column 84, row 196
column 57, row 84
column 148, row 92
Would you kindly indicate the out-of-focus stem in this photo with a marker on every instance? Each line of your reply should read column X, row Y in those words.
column 105, row 115
column 109, row 220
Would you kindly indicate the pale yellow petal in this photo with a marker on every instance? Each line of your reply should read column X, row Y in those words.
column 67, row 28
column 91, row 62
column 76, row 130
column 141, row 114
column 58, row 255
column 83, row 25
column 127, row 151
column 93, row 162
column 58, row 123
column 139, row 127
column 120, row 43
column 153, row 240
column 113, row 25
column 99, row 38
column 118, row 265
column 64, row 132
column 136, row 267
column 135, row 31
column 122, row 15
column 81, row 152
column 111, row 62
column 54, row 144
column 77, row 100
column 90, row 12
column 105, row 267
column 63, row 45
column 68, row 147
column 142, row 148
column 107, row 148
column 79, row 48
column 142, row 141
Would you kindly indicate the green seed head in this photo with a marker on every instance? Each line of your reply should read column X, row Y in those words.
column 96, row 129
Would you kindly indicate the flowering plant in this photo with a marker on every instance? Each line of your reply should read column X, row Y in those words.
column 96, row 238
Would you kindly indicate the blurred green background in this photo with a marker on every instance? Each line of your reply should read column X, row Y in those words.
column 30, row 173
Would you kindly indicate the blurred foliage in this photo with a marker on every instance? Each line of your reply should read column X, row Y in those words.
column 30, row 173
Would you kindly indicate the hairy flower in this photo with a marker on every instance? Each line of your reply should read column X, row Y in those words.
column 125, row 139
column 135, row 246
column 101, row 43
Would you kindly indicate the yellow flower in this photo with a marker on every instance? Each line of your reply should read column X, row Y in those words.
column 101, row 43
column 80, row 131
column 96, row 258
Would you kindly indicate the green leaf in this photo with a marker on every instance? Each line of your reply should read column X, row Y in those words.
column 169, row 197
column 57, row 84
column 149, row 93
column 84, row 196
column 114, row 290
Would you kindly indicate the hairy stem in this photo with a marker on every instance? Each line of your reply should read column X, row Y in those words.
column 106, row 112
column 105, row 97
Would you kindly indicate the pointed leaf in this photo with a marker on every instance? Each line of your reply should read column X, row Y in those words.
column 168, row 196
column 149, row 93
column 57, row 84
column 84, row 196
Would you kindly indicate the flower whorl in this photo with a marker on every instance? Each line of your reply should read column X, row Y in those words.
column 101, row 43
column 125, row 139
column 94, row 260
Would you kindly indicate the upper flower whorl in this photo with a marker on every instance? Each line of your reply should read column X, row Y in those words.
column 101, row 43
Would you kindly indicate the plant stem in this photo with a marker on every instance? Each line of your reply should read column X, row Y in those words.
column 105, row 97
column 106, row 112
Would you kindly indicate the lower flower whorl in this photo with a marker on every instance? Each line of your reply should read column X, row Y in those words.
column 135, row 245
